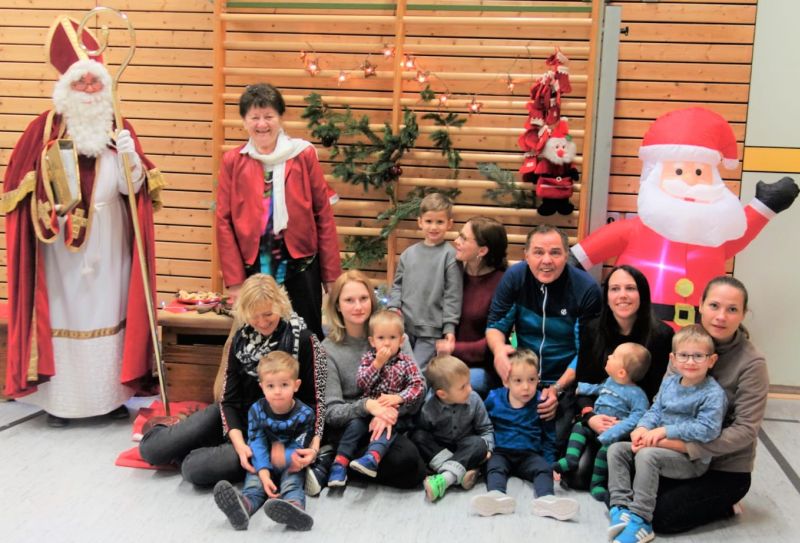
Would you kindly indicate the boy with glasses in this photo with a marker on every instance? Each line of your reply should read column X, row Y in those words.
column 689, row 407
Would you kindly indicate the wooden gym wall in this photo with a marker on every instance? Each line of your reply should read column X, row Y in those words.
column 675, row 53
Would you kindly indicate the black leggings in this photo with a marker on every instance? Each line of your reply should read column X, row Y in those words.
column 686, row 504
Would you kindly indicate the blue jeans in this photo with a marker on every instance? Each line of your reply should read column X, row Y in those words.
column 483, row 381
column 354, row 433
column 526, row 465
column 290, row 486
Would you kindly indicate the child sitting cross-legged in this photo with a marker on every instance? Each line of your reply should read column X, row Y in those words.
column 690, row 407
column 453, row 432
column 617, row 397
column 278, row 425
column 524, row 445
column 388, row 376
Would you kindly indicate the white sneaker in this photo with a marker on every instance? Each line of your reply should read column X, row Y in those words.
column 558, row 508
column 493, row 503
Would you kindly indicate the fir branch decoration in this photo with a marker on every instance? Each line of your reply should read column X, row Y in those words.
column 507, row 187
column 365, row 249
column 441, row 138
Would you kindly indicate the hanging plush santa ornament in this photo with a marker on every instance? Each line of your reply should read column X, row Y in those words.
column 553, row 172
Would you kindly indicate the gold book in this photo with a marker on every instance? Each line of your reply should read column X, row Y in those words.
column 64, row 174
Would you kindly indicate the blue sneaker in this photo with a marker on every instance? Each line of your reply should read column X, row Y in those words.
column 637, row 531
column 619, row 517
column 338, row 475
column 366, row 465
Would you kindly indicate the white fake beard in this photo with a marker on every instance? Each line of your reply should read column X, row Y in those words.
column 708, row 224
column 89, row 118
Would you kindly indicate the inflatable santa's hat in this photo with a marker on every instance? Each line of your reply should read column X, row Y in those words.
column 64, row 49
column 694, row 134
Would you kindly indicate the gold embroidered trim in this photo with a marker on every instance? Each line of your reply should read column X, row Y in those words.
column 12, row 199
column 88, row 334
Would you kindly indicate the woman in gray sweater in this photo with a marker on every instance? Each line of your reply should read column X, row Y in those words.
column 741, row 371
column 348, row 308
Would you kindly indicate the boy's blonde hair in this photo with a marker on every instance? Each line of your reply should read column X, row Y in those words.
column 436, row 201
column 636, row 360
column 385, row 316
column 693, row 333
column 257, row 290
column 278, row 361
column 524, row 356
column 443, row 369
column 331, row 310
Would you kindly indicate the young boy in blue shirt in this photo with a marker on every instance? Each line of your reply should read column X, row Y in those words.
column 278, row 424
column 453, row 432
column 618, row 397
column 524, row 445
column 690, row 407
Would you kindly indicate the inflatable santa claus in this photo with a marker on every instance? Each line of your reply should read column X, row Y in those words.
column 688, row 222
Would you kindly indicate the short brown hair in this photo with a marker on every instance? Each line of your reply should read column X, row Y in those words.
column 278, row 361
column 524, row 356
column 694, row 333
column 436, row 201
column 385, row 316
column 261, row 95
column 546, row 229
column 259, row 289
column 636, row 360
column 443, row 369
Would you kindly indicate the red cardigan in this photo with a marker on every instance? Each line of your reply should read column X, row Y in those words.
column 311, row 229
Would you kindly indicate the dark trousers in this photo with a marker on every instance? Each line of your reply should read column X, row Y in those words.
column 355, row 432
column 526, row 465
column 685, row 504
column 469, row 451
column 206, row 456
column 402, row 467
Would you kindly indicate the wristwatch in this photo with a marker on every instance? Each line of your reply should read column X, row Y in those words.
column 559, row 389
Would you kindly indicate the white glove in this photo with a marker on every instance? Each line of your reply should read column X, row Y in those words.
column 125, row 146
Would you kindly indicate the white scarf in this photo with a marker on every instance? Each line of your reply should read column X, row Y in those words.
column 285, row 148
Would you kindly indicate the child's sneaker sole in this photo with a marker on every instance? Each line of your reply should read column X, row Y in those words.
column 557, row 508
column 363, row 470
column 228, row 501
column 486, row 505
column 469, row 479
column 287, row 513
column 614, row 530
column 313, row 488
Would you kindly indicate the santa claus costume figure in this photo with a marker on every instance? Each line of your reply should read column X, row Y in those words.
column 552, row 170
column 689, row 223
column 78, row 330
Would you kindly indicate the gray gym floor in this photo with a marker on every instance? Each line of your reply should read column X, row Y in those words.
column 61, row 485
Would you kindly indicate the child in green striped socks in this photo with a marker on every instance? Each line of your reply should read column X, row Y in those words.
column 617, row 397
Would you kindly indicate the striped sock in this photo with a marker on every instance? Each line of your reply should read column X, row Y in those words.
column 597, row 487
column 575, row 446
column 343, row 460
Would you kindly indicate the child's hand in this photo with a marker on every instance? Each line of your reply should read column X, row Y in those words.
column 446, row 345
column 655, row 435
column 390, row 400
column 269, row 486
column 277, row 455
column 382, row 356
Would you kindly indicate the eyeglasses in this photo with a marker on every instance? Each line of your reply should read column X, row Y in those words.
column 685, row 357
column 83, row 85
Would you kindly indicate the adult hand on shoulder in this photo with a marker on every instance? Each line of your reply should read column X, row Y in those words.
column 601, row 423
column 501, row 362
column 548, row 405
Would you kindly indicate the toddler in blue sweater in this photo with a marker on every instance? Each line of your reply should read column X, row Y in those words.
column 689, row 407
column 525, row 445
column 618, row 397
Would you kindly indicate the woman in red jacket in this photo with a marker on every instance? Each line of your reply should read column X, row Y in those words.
column 273, row 210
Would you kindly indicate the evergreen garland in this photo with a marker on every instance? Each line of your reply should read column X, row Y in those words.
column 508, row 191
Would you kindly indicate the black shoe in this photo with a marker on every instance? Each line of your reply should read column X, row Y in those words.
column 231, row 503
column 56, row 422
column 119, row 413
column 285, row 512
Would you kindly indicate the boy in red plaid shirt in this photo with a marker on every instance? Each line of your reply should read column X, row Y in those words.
column 388, row 376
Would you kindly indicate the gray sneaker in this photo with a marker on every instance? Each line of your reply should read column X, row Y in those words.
column 232, row 504
column 288, row 513
column 493, row 503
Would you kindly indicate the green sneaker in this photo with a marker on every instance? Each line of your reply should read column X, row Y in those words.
column 435, row 486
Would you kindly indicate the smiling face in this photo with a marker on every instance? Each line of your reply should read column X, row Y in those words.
column 546, row 257
column 467, row 248
column 692, row 360
column 263, row 125
column 623, row 297
column 722, row 311
column 355, row 303
column 264, row 319
column 434, row 224
column 279, row 388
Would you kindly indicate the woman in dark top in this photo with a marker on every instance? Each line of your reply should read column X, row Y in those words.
column 625, row 317
column 211, row 445
column 481, row 247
